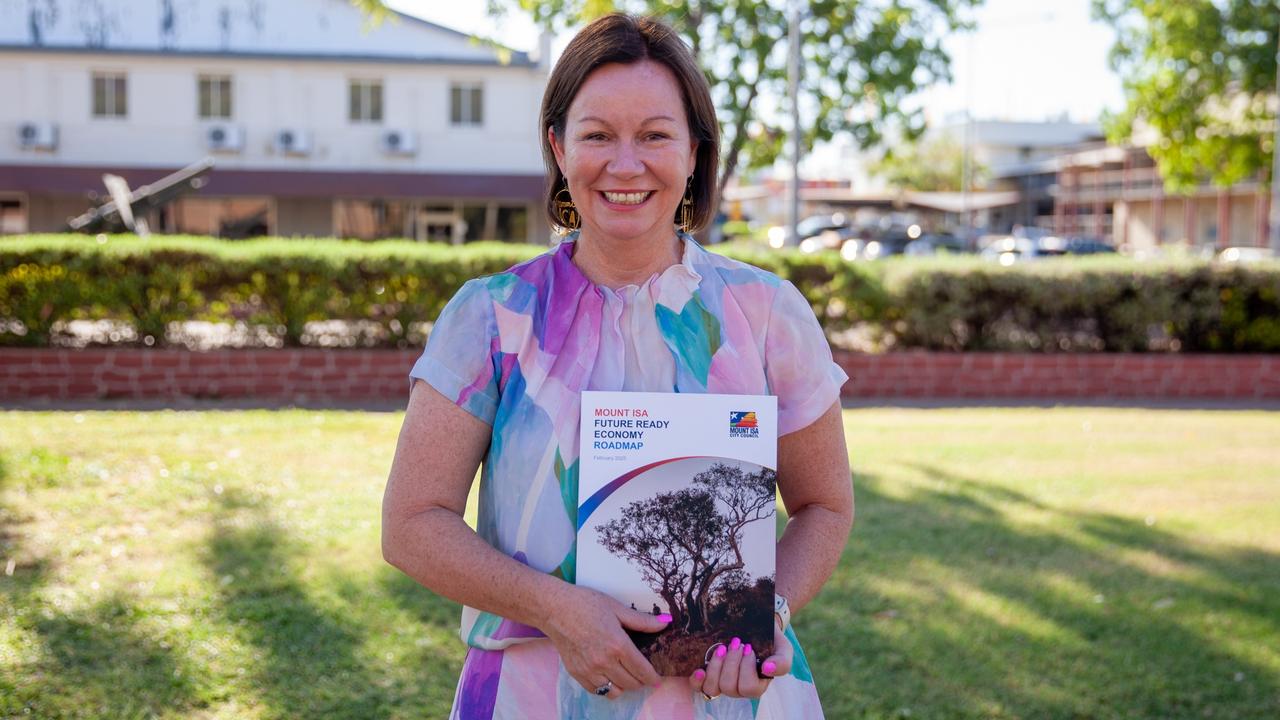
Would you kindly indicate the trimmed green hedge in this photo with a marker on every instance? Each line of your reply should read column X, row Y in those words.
column 962, row 304
column 1084, row 304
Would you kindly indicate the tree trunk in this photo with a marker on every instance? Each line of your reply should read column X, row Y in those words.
column 734, row 150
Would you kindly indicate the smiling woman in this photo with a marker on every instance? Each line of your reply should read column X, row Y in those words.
column 627, row 302
column 631, row 142
column 627, row 159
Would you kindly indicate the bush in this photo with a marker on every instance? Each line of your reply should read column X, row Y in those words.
column 1084, row 304
column 280, row 284
column 955, row 303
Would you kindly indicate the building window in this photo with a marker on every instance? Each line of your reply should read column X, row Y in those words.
column 512, row 223
column 110, row 96
column 366, row 101
column 215, row 97
column 466, row 104
column 13, row 216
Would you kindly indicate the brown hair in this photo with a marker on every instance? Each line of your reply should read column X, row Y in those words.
column 624, row 39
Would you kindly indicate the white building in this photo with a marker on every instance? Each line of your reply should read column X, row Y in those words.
column 319, row 122
column 1008, row 147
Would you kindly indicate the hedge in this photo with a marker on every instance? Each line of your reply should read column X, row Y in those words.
column 959, row 304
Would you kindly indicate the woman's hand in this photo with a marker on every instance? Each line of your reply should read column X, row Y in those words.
column 732, row 669
column 588, row 632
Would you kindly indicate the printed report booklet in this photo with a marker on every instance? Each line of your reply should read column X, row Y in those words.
column 676, row 514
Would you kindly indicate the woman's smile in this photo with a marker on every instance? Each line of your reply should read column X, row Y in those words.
column 626, row 199
column 627, row 155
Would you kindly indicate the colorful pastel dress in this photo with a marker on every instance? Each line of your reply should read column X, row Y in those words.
column 515, row 350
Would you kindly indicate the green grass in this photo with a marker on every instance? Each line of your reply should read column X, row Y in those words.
column 1029, row 563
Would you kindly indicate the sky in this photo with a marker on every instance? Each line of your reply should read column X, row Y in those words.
column 1028, row 60
column 1025, row 61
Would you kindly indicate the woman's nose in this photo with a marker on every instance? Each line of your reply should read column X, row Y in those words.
column 625, row 162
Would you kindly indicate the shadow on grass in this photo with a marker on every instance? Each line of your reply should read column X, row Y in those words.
column 962, row 600
column 425, row 606
column 93, row 661
column 310, row 661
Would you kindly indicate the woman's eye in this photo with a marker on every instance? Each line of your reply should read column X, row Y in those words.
column 657, row 136
column 594, row 136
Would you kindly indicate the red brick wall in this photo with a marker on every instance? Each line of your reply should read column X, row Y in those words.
column 1025, row 375
column 358, row 376
column 288, row 375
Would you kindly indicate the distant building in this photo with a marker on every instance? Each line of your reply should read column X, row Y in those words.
column 1070, row 182
column 319, row 123
column 1116, row 194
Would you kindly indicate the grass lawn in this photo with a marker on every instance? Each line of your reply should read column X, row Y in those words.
column 1011, row 563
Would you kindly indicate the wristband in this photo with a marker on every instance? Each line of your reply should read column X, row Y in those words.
column 782, row 610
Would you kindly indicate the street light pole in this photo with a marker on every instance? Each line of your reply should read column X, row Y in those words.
column 1275, row 165
column 793, row 89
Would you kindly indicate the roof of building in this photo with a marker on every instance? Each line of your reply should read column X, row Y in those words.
column 943, row 201
column 293, row 29
column 1007, row 133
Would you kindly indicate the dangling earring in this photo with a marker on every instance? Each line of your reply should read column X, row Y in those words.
column 566, row 211
column 686, row 207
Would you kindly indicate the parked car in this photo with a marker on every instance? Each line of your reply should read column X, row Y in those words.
column 1009, row 250
column 1087, row 246
column 817, row 224
column 934, row 243
column 1245, row 255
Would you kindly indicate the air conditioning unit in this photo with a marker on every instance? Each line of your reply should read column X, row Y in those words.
column 38, row 136
column 293, row 142
column 224, row 138
column 399, row 142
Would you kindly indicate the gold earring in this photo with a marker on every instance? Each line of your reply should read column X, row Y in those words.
column 566, row 211
column 686, row 207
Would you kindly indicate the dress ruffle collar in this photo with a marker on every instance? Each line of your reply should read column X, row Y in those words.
column 681, row 273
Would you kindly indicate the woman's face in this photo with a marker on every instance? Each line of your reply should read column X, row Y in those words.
column 627, row 152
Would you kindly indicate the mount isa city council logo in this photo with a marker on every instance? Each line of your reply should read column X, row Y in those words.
column 742, row 424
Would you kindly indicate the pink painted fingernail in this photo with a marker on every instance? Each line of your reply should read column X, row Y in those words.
column 746, row 649
column 720, row 651
column 769, row 667
column 699, row 674
column 665, row 618
column 734, row 644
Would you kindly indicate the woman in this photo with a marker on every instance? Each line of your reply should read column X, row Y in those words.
column 627, row 302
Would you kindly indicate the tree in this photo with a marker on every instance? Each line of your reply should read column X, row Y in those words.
column 670, row 538
column 684, row 541
column 931, row 165
column 1201, row 75
column 747, row 497
column 862, row 59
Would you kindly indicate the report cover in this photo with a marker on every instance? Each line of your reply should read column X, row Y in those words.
column 676, row 514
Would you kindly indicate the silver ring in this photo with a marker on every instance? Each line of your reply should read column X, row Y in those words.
column 706, row 657
column 709, row 698
column 605, row 688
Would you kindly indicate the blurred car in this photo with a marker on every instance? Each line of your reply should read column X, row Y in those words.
column 1010, row 249
column 817, row 224
column 933, row 244
column 1087, row 246
column 814, row 232
column 889, row 241
column 1245, row 255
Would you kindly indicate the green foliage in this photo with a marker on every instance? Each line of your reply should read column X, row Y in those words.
column 280, row 284
column 935, row 165
column 37, row 294
column 1084, row 305
column 862, row 59
column 959, row 304
column 1201, row 74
